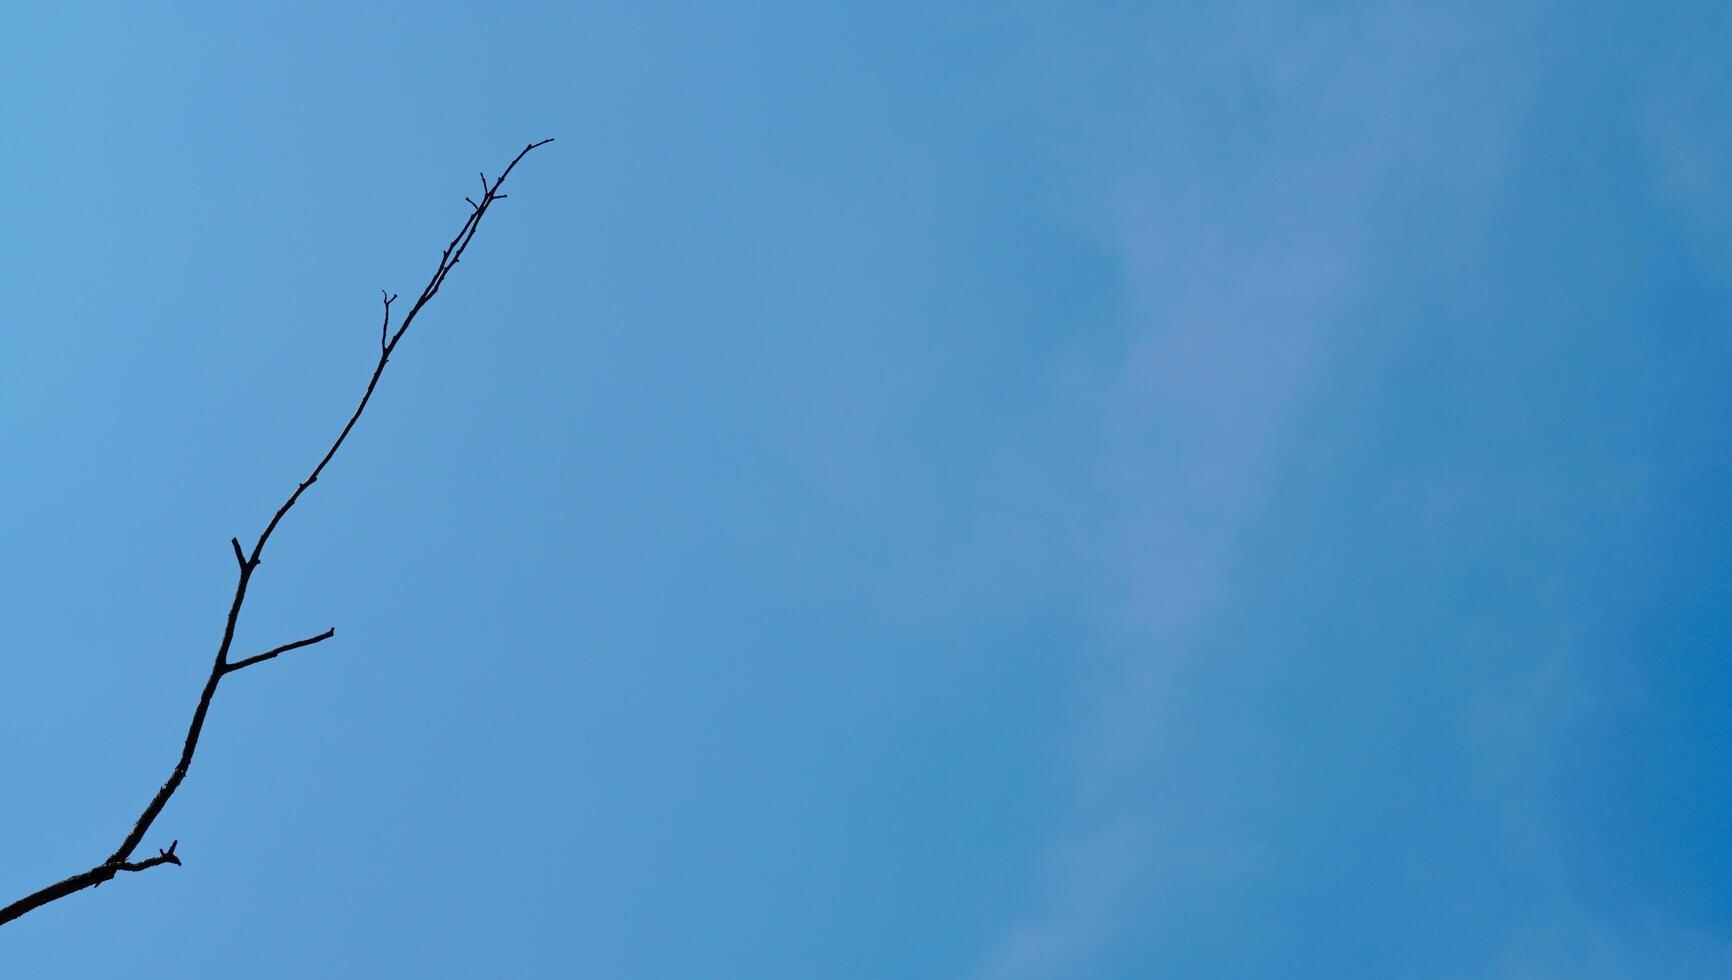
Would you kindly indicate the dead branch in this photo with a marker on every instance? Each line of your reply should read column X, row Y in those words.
column 121, row 859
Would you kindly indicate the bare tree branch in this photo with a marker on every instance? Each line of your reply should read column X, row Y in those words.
column 389, row 299
column 121, row 860
column 285, row 648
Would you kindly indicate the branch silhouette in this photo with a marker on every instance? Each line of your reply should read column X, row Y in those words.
column 248, row 562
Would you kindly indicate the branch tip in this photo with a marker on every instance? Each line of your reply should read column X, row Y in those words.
column 385, row 326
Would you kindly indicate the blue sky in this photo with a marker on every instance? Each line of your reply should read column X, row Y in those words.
column 984, row 491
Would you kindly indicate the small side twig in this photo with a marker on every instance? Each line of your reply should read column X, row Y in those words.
column 385, row 326
column 285, row 648
column 162, row 857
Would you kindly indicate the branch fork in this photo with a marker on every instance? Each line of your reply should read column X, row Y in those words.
column 229, row 668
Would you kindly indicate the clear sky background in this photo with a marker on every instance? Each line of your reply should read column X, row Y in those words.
column 992, row 491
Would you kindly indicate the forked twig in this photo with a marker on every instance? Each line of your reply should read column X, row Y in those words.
column 121, row 859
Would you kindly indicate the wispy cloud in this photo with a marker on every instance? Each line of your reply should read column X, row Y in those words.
column 1239, row 250
column 1258, row 216
column 1689, row 140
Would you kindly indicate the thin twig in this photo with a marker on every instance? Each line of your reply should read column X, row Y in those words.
column 389, row 299
column 285, row 648
column 162, row 857
column 120, row 860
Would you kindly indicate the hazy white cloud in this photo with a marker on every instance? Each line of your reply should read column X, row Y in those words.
column 1688, row 130
column 1235, row 269
column 1585, row 949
